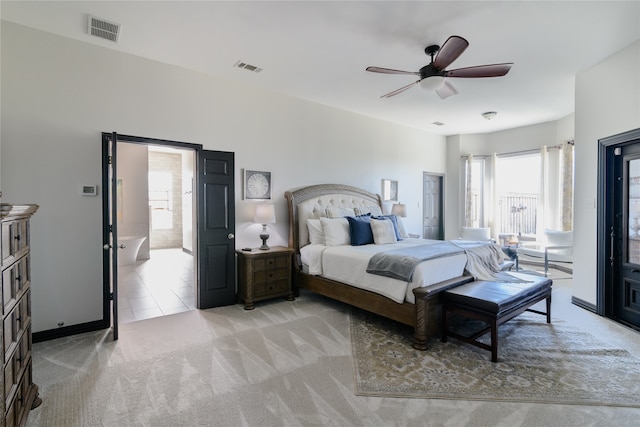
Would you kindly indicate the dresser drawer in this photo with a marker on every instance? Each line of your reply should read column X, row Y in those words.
column 14, row 280
column 17, row 366
column 15, row 240
column 271, row 288
column 15, row 322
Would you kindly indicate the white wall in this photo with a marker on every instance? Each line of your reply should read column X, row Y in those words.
column 607, row 103
column 133, row 170
column 58, row 95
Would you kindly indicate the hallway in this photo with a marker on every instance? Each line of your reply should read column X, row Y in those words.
column 156, row 287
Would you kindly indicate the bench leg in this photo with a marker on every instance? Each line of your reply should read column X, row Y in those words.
column 494, row 340
column 549, row 309
column 443, row 325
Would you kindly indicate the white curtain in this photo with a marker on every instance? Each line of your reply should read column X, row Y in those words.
column 566, row 164
column 468, row 208
column 494, row 221
column 543, row 211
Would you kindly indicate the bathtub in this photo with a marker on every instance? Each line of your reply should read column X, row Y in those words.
column 128, row 249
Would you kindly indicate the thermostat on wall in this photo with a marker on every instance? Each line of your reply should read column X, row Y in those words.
column 89, row 190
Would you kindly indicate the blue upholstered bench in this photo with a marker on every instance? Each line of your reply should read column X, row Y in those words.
column 493, row 303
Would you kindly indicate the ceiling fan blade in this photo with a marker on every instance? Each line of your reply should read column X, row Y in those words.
column 493, row 70
column 446, row 90
column 402, row 89
column 450, row 51
column 390, row 71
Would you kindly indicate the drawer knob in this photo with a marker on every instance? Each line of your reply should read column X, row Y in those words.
column 18, row 278
column 17, row 237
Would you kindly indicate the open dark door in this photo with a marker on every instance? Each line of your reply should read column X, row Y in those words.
column 110, row 232
column 619, row 228
column 216, row 230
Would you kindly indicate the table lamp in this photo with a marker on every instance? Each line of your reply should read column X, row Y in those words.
column 265, row 214
column 399, row 209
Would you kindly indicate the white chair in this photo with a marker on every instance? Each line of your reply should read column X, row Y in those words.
column 556, row 248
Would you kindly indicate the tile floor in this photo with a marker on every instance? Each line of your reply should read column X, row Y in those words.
column 156, row 287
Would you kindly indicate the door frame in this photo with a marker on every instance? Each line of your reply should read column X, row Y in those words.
column 608, row 159
column 106, row 304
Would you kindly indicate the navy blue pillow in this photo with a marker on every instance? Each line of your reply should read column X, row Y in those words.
column 360, row 230
column 394, row 220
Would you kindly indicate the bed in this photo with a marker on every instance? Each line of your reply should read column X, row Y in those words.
column 416, row 305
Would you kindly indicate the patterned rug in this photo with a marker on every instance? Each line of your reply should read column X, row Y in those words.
column 537, row 362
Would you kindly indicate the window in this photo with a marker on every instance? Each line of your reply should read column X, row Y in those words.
column 518, row 193
column 161, row 200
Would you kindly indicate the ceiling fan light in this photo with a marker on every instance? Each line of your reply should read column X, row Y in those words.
column 432, row 83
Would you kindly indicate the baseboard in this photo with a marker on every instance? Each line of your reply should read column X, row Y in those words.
column 187, row 251
column 68, row 330
column 583, row 304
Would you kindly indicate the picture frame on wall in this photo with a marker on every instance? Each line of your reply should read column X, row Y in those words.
column 257, row 185
column 389, row 190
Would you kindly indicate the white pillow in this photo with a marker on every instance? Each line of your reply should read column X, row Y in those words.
column 476, row 234
column 316, row 236
column 401, row 229
column 336, row 231
column 340, row 212
column 383, row 231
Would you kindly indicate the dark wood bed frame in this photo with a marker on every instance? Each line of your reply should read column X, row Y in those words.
column 423, row 316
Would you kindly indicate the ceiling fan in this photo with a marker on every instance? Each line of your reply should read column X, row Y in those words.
column 433, row 75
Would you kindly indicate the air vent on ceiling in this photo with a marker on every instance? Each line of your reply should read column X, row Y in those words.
column 244, row 65
column 104, row 29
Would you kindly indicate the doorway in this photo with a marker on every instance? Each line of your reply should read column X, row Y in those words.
column 213, row 222
column 156, row 273
column 432, row 206
column 618, row 251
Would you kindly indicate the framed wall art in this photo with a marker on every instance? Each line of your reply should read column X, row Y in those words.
column 389, row 190
column 257, row 185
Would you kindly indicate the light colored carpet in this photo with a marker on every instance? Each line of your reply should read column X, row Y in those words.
column 537, row 362
column 282, row 364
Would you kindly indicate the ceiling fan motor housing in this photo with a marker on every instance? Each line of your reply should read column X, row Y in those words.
column 429, row 71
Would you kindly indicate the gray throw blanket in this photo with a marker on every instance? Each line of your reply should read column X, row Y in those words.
column 483, row 260
column 400, row 263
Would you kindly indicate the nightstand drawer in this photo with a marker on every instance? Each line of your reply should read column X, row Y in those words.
column 271, row 288
column 269, row 275
column 271, row 262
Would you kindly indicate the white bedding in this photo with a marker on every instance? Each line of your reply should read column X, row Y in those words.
column 348, row 264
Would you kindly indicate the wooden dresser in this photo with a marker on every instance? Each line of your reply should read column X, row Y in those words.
column 19, row 393
column 264, row 274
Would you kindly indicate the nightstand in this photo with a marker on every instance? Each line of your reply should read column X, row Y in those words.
column 264, row 274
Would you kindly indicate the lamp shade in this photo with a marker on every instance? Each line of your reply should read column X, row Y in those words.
column 265, row 214
column 399, row 209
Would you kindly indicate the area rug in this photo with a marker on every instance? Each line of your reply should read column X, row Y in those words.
column 537, row 362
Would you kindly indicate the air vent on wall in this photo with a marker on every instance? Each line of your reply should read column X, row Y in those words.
column 104, row 29
column 244, row 65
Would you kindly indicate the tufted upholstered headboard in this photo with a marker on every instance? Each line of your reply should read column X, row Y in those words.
column 313, row 201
